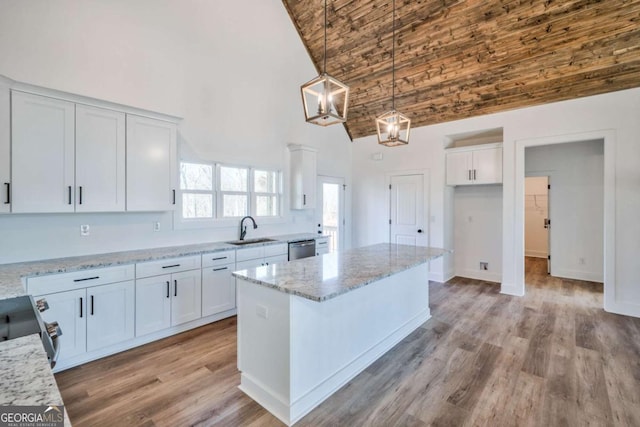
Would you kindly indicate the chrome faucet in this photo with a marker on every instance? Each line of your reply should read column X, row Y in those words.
column 243, row 228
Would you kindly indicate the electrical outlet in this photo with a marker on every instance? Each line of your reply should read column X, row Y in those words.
column 84, row 230
column 156, row 226
column 484, row 265
column 581, row 261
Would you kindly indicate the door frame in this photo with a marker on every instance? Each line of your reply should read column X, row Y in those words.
column 426, row 189
column 609, row 138
column 343, row 208
column 549, row 175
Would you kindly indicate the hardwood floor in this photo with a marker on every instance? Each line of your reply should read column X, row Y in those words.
column 551, row 358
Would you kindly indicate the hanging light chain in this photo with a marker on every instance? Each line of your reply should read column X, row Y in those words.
column 324, row 66
column 393, row 58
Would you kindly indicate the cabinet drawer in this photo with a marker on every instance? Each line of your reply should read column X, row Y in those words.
column 218, row 258
column 79, row 279
column 249, row 253
column 322, row 242
column 170, row 265
column 273, row 250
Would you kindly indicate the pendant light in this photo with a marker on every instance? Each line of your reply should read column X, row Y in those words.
column 393, row 127
column 325, row 98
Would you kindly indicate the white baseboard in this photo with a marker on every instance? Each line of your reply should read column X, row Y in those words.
column 480, row 275
column 61, row 365
column 623, row 308
column 510, row 289
column 577, row 275
column 303, row 405
column 535, row 254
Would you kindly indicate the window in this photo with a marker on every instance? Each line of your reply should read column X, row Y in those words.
column 196, row 183
column 214, row 192
column 266, row 191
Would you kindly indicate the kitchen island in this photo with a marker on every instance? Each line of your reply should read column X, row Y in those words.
column 307, row 327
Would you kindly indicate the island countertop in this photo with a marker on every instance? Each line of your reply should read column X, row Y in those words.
column 324, row 277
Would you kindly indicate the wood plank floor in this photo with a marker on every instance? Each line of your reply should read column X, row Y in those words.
column 551, row 358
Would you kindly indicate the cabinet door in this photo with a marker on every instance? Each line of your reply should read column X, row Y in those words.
column 303, row 179
column 218, row 289
column 243, row 265
column 322, row 246
column 69, row 309
column 186, row 303
column 151, row 164
column 110, row 314
column 153, row 304
column 5, row 147
column 487, row 166
column 459, row 168
column 42, row 154
column 100, row 160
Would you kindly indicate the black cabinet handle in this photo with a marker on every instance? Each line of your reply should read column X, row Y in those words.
column 80, row 189
column 219, row 258
column 8, row 200
column 70, row 201
column 171, row 266
column 92, row 305
column 474, row 175
column 174, row 197
column 80, row 307
column 175, row 288
column 168, row 294
column 87, row 278
column 219, row 269
column 304, row 199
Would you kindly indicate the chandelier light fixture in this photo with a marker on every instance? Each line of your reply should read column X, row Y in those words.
column 325, row 98
column 393, row 127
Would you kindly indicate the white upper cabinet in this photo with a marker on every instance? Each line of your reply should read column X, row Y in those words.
column 5, row 147
column 303, row 177
column 474, row 165
column 151, row 164
column 42, row 154
column 100, row 160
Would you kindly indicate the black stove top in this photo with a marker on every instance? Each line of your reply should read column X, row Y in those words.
column 18, row 318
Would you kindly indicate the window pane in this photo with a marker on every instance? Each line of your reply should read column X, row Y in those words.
column 265, row 181
column 194, row 176
column 234, row 205
column 233, row 179
column 266, row 206
column 197, row 205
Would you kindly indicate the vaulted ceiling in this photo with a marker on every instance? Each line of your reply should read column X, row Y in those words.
column 457, row 59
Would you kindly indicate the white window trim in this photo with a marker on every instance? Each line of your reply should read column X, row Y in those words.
column 180, row 223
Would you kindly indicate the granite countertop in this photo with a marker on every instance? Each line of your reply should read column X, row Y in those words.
column 11, row 274
column 328, row 276
column 26, row 376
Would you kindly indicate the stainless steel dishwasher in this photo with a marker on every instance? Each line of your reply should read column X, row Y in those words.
column 303, row 249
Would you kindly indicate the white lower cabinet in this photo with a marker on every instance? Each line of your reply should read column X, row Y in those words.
column 218, row 289
column 110, row 314
column 167, row 300
column 261, row 255
column 91, row 318
column 322, row 245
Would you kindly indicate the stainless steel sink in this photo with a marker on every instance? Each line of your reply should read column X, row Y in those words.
column 249, row 241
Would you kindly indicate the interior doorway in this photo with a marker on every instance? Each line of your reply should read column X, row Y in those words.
column 330, row 217
column 537, row 219
column 408, row 210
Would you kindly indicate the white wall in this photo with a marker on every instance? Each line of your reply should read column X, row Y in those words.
column 536, row 205
column 616, row 113
column 232, row 70
column 477, row 229
column 576, row 206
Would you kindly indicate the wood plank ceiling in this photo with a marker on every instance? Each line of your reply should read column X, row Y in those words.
column 457, row 59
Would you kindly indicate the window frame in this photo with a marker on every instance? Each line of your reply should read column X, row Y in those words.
column 211, row 192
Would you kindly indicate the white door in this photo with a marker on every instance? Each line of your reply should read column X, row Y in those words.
column 42, row 151
column 151, row 164
column 487, row 166
column 459, row 168
column 218, row 289
column 408, row 225
column 5, row 147
column 187, row 295
column 153, row 304
column 111, row 316
column 100, row 160
column 69, row 309
column 330, row 217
